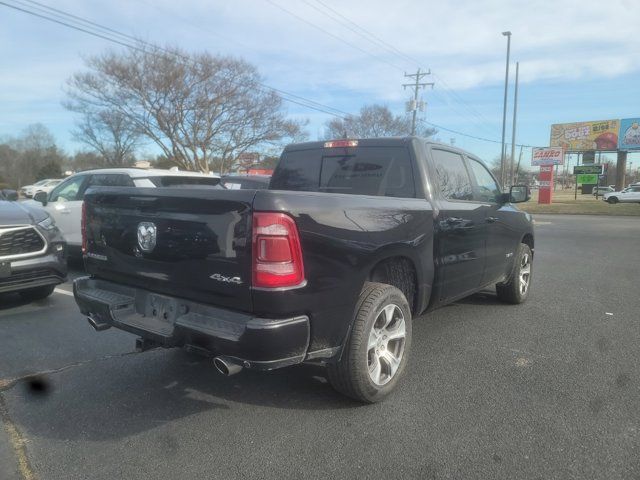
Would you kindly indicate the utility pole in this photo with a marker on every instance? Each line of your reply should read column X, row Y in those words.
column 414, row 105
column 513, row 132
column 504, row 110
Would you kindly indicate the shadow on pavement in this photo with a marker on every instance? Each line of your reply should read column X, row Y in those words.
column 131, row 394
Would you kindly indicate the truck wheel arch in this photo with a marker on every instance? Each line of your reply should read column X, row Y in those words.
column 528, row 240
column 400, row 272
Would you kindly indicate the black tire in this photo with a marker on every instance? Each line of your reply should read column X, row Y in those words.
column 612, row 200
column 350, row 373
column 511, row 291
column 37, row 293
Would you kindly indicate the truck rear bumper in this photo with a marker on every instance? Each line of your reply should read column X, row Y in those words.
column 259, row 343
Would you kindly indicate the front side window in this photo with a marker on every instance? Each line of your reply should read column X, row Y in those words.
column 68, row 190
column 486, row 188
column 452, row 176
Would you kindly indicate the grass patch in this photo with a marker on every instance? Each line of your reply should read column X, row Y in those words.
column 564, row 202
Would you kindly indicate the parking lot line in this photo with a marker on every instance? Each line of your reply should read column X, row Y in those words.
column 64, row 292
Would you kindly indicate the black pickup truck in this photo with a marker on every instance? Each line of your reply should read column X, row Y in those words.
column 352, row 239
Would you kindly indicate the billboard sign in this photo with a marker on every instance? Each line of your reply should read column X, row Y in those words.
column 588, row 169
column 586, row 136
column 547, row 156
column 629, row 137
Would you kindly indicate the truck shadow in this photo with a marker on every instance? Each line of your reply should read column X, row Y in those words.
column 126, row 395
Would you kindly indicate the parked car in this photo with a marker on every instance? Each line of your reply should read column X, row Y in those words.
column 628, row 195
column 48, row 186
column 599, row 191
column 64, row 202
column 235, row 181
column 32, row 249
column 29, row 191
column 352, row 240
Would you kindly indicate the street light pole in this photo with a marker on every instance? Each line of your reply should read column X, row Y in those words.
column 513, row 133
column 504, row 109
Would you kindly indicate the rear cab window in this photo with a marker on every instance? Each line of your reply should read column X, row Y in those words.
column 377, row 171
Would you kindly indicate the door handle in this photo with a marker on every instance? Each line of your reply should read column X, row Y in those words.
column 491, row 219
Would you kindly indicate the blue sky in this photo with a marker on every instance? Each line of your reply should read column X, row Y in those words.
column 578, row 58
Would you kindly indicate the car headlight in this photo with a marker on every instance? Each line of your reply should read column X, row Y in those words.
column 48, row 223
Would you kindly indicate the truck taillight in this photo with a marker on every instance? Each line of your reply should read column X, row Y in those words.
column 83, row 227
column 277, row 254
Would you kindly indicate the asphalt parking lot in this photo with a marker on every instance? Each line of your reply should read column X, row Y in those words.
column 548, row 389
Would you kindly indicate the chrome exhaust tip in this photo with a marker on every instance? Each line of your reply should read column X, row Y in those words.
column 97, row 324
column 226, row 366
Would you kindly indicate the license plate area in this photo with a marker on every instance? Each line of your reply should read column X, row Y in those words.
column 160, row 308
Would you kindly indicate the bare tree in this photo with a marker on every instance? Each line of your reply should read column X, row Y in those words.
column 107, row 131
column 195, row 107
column 374, row 121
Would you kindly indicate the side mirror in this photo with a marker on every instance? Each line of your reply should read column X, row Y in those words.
column 41, row 197
column 519, row 194
column 10, row 195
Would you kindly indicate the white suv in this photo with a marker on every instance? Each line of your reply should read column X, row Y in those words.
column 628, row 195
column 64, row 202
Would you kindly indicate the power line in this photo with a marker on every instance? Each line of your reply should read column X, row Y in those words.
column 481, row 121
column 457, row 132
column 326, row 32
column 89, row 27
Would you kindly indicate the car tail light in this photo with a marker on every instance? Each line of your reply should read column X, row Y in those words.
column 277, row 254
column 341, row 143
column 83, row 227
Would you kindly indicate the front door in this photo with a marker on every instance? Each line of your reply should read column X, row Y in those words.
column 460, row 228
column 502, row 239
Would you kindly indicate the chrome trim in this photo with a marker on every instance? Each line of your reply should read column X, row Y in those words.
column 280, row 289
column 24, row 255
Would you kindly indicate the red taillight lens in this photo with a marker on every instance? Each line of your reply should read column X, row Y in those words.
column 83, row 227
column 277, row 254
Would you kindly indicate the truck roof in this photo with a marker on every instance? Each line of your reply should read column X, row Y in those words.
column 378, row 142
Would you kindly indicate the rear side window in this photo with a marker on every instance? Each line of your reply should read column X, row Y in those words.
column 452, row 176
column 380, row 171
column 185, row 182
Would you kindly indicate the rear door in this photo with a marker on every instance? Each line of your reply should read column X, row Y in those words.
column 65, row 206
column 461, row 227
column 192, row 243
column 633, row 195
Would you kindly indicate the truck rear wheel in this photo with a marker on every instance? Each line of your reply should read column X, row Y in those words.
column 376, row 353
column 516, row 289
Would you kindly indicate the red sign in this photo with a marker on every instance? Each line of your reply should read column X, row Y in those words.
column 545, row 184
column 547, row 156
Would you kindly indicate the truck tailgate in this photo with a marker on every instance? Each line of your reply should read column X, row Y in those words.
column 191, row 243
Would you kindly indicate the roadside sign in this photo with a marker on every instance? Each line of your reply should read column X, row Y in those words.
column 547, row 156
column 588, row 170
column 588, row 179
